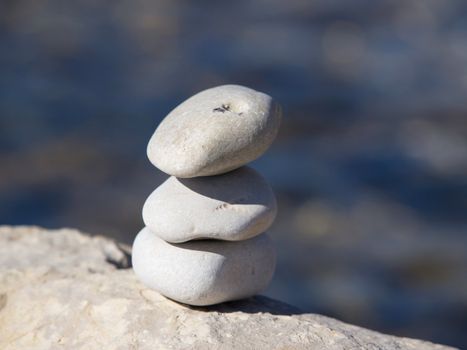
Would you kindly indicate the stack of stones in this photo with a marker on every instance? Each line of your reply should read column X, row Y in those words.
column 204, row 241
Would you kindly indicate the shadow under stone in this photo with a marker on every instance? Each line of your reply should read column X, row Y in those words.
column 253, row 305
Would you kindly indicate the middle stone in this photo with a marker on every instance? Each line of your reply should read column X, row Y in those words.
column 234, row 206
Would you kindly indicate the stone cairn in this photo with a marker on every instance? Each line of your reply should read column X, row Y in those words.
column 204, row 241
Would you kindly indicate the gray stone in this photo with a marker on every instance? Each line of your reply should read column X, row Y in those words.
column 65, row 290
column 204, row 272
column 215, row 131
column 233, row 206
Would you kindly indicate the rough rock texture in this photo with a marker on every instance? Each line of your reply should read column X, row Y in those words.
column 64, row 290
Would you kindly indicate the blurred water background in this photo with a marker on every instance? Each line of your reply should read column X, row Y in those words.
column 370, row 167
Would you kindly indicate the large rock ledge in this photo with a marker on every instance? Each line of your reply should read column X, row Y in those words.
column 62, row 289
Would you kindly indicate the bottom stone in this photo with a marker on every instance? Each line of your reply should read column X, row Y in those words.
column 204, row 272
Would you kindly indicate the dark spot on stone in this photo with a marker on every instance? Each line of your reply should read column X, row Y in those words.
column 222, row 109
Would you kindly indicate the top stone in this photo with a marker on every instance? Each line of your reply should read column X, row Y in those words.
column 215, row 131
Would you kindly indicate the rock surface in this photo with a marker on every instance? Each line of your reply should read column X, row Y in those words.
column 204, row 272
column 233, row 206
column 64, row 290
column 215, row 131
